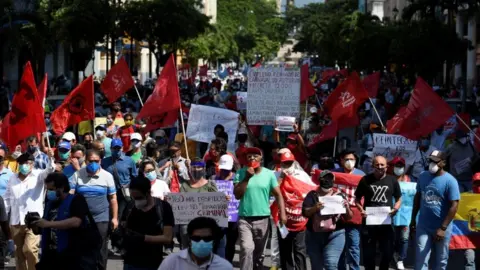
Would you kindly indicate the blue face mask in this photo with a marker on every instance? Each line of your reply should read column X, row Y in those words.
column 51, row 195
column 115, row 153
column 202, row 249
column 151, row 175
column 24, row 169
column 93, row 167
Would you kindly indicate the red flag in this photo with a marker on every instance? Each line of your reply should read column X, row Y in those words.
column 394, row 124
column 203, row 71
column 426, row 111
column 346, row 98
column 306, row 89
column 328, row 132
column 165, row 96
column 466, row 118
column 371, row 83
column 258, row 64
column 77, row 107
column 165, row 119
column 26, row 115
column 327, row 74
column 42, row 90
column 118, row 81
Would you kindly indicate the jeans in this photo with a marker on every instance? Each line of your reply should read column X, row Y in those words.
column 274, row 246
column 382, row 234
column 324, row 248
column 425, row 242
column 351, row 253
column 103, row 230
column 253, row 234
column 469, row 259
column 292, row 251
column 232, row 236
column 402, row 234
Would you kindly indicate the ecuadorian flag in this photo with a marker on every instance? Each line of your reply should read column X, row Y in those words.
column 466, row 224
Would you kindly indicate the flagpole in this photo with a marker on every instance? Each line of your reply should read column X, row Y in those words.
column 184, row 133
column 468, row 127
column 376, row 112
column 334, row 146
column 138, row 94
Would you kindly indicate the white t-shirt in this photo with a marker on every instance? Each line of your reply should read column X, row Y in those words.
column 159, row 189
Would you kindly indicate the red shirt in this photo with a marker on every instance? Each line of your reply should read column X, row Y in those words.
column 124, row 134
column 241, row 155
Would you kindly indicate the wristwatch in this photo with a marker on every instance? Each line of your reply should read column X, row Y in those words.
column 443, row 228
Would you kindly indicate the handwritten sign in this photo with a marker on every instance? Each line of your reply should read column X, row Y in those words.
column 378, row 215
column 272, row 92
column 189, row 205
column 227, row 188
column 203, row 119
column 241, row 101
column 390, row 146
column 332, row 205
column 285, row 123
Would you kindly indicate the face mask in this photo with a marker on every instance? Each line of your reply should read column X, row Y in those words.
column 93, row 167
column 115, row 153
column 128, row 123
column 24, row 169
column 433, row 168
column 32, row 149
column 151, row 176
column 349, row 164
column 140, row 204
column 463, row 140
column 16, row 154
column 198, row 174
column 109, row 122
column 81, row 161
column 289, row 170
column 100, row 133
column 380, row 171
column 326, row 190
column 64, row 156
column 201, row 248
column 398, row 171
column 253, row 163
column 51, row 195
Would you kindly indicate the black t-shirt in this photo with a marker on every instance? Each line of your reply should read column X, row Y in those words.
column 148, row 255
column 378, row 192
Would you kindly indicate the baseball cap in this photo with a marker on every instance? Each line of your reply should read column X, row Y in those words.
column 283, row 151
column 326, row 179
column 225, row 162
column 65, row 145
column 437, row 156
column 24, row 158
column 288, row 156
column 397, row 160
column 68, row 136
column 116, row 143
column 135, row 136
column 476, row 177
column 253, row 150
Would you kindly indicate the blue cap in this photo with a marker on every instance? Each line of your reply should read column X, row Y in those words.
column 116, row 143
column 65, row 145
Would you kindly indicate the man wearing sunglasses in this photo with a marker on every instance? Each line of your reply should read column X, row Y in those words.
column 204, row 235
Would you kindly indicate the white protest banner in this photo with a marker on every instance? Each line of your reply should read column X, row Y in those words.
column 203, row 119
column 390, row 146
column 332, row 205
column 272, row 92
column 285, row 123
column 378, row 215
column 241, row 101
column 189, row 205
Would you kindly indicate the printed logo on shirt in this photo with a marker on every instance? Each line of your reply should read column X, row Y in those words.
column 380, row 194
column 431, row 197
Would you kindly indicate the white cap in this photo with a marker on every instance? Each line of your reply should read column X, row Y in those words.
column 284, row 150
column 242, row 130
column 69, row 136
column 226, row 162
column 313, row 110
column 135, row 136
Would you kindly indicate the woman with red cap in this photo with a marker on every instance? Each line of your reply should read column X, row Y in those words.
column 397, row 168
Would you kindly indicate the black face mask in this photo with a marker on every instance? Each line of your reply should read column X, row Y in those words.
column 198, row 174
column 88, row 145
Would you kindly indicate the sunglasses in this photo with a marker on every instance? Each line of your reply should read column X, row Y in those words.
column 197, row 238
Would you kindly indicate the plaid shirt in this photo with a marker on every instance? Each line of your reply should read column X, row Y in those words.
column 41, row 160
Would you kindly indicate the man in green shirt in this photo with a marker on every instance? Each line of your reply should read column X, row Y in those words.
column 253, row 186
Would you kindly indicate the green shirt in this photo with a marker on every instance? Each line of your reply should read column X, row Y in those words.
column 256, row 200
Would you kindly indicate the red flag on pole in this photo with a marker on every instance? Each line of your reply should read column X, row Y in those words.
column 203, row 71
column 328, row 132
column 118, row 81
column 165, row 119
column 346, row 98
column 42, row 90
column 306, row 88
column 165, row 96
column 426, row 111
column 371, row 83
column 26, row 116
column 394, row 124
column 77, row 107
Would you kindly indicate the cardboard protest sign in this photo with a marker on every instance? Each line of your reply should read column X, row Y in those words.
column 390, row 146
column 227, row 188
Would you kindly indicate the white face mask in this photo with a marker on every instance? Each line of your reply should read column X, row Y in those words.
column 16, row 154
column 140, row 204
column 289, row 170
column 398, row 171
column 326, row 190
column 433, row 168
column 100, row 133
column 349, row 164
column 137, row 145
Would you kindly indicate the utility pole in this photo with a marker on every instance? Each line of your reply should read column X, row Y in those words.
column 112, row 36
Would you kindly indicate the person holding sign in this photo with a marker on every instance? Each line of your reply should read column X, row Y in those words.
column 437, row 200
column 378, row 190
column 253, row 186
column 325, row 236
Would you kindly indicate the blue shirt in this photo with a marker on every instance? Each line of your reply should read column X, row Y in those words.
column 69, row 170
column 125, row 168
column 436, row 195
column 107, row 142
column 5, row 175
column 404, row 215
column 354, row 172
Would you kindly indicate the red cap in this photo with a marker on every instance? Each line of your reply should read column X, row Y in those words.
column 397, row 160
column 287, row 156
column 253, row 150
column 476, row 177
